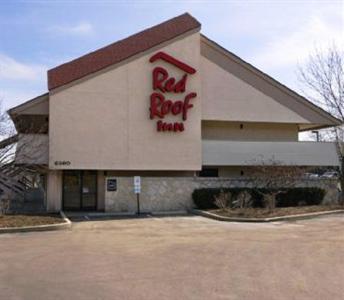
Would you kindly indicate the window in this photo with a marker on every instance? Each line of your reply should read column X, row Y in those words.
column 209, row 172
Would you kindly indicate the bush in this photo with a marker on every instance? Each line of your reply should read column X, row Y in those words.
column 204, row 198
column 300, row 196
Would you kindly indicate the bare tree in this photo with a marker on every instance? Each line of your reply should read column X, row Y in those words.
column 322, row 77
column 16, row 178
column 271, row 178
column 323, row 80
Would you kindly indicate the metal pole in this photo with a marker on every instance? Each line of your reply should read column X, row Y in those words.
column 138, row 203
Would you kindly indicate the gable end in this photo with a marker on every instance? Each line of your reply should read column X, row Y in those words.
column 266, row 84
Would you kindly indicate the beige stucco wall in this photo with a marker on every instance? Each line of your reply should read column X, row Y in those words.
column 226, row 97
column 103, row 122
column 214, row 130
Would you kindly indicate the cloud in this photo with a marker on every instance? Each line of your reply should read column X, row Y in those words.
column 20, row 81
column 81, row 29
column 295, row 47
column 11, row 97
column 12, row 69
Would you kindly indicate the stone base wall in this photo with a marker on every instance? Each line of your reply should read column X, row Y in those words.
column 157, row 194
column 174, row 193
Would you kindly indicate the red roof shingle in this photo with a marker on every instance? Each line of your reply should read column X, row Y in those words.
column 121, row 50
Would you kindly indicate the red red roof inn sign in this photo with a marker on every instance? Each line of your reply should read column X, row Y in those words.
column 163, row 84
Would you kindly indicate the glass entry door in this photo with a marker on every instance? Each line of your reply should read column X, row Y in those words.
column 88, row 190
column 80, row 190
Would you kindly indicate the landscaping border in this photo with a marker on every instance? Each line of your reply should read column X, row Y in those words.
column 49, row 227
column 262, row 220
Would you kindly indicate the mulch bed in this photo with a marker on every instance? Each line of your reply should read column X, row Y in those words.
column 21, row 220
column 278, row 212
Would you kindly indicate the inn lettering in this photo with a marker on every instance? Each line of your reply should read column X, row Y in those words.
column 160, row 105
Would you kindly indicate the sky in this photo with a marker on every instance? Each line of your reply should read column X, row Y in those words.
column 275, row 36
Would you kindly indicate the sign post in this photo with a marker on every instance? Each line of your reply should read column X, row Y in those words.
column 137, row 190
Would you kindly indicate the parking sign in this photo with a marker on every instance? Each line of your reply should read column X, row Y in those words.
column 137, row 184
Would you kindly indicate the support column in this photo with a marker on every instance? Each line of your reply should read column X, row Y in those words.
column 101, row 191
column 54, row 191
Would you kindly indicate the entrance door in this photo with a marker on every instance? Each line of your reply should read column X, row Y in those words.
column 80, row 190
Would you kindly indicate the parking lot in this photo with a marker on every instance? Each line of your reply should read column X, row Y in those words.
column 185, row 257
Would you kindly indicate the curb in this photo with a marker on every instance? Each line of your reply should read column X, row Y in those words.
column 50, row 227
column 169, row 213
column 262, row 220
column 129, row 214
column 100, row 214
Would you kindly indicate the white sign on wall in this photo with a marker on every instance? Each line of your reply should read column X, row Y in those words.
column 137, row 184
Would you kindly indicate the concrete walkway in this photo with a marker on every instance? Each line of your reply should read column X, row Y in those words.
column 176, row 258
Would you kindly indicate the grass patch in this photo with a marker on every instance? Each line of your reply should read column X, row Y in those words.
column 21, row 220
column 278, row 212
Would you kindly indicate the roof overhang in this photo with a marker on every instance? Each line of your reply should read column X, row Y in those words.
column 31, row 115
column 36, row 106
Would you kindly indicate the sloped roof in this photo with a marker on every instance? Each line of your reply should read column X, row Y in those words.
column 121, row 50
column 165, row 32
column 268, row 85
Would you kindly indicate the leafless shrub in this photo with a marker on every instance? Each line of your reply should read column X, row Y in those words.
column 243, row 200
column 4, row 206
column 272, row 178
column 222, row 200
